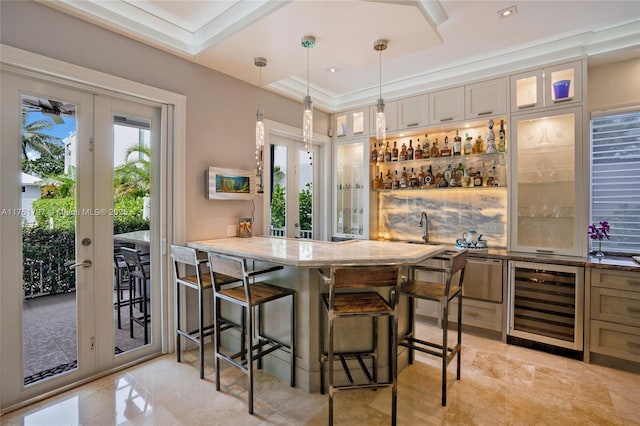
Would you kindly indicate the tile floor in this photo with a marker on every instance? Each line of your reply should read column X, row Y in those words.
column 501, row 385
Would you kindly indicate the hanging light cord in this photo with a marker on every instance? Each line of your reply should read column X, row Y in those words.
column 380, row 69
column 307, row 71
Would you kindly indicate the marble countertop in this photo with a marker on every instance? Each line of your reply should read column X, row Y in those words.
column 620, row 263
column 310, row 253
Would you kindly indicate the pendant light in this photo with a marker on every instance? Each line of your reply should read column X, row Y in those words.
column 260, row 63
column 307, row 116
column 381, row 125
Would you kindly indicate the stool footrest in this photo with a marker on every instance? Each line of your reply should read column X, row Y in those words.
column 425, row 347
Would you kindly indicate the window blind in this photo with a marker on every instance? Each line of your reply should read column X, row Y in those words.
column 615, row 180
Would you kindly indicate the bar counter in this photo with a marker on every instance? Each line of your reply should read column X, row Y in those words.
column 301, row 258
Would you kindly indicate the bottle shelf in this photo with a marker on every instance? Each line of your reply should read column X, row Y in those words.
column 446, row 188
column 443, row 159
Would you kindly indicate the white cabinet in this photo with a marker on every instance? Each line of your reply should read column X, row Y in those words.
column 547, row 87
column 486, row 99
column 413, row 112
column 390, row 117
column 351, row 123
column 351, row 189
column 615, row 314
column 546, row 186
column 446, row 106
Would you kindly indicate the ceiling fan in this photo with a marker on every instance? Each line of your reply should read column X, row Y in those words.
column 49, row 107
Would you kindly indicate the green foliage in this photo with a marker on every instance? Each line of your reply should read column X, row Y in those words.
column 278, row 207
column 35, row 141
column 306, row 207
column 134, row 177
column 45, row 253
column 48, row 164
column 127, row 214
column 62, row 210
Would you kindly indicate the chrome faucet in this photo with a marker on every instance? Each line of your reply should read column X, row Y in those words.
column 424, row 220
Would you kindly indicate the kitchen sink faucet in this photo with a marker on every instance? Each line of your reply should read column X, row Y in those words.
column 424, row 219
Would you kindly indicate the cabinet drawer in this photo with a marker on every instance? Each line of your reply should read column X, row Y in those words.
column 619, row 341
column 479, row 314
column 621, row 280
column 616, row 306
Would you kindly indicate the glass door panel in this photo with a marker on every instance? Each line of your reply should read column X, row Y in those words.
column 131, row 202
column 305, row 194
column 351, row 193
column 278, row 217
column 546, row 172
column 49, row 314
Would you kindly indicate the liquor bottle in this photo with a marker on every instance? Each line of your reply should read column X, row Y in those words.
column 428, row 177
column 448, row 173
column 491, row 139
column 374, row 153
column 394, row 152
column 377, row 183
column 418, row 152
column 441, row 182
column 477, row 179
column 403, row 153
column 403, row 178
column 468, row 144
column 413, row 181
column 459, row 172
column 435, row 151
column 387, row 154
column 502, row 142
column 420, row 178
column 388, row 181
column 410, row 151
column 479, row 146
column 396, row 181
column 457, row 144
column 425, row 147
column 446, row 151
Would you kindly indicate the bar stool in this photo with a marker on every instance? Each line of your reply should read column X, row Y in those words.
column 442, row 293
column 122, row 282
column 248, row 295
column 190, row 276
column 140, row 274
column 353, row 292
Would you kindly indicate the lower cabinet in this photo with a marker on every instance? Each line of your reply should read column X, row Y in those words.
column 478, row 313
column 615, row 314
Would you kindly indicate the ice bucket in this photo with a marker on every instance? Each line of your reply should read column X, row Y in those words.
column 561, row 89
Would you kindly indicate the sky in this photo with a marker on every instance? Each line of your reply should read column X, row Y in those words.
column 58, row 130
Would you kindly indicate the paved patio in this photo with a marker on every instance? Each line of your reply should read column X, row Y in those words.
column 50, row 335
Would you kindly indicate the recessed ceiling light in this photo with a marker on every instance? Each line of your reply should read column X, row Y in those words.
column 332, row 69
column 509, row 11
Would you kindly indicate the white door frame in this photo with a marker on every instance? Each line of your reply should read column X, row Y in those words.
column 323, row 163
column 29, row 64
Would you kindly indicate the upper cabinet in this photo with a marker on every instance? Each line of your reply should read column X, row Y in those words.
column 546, row 87
column 390, row 117
column 486, row 99
column 413, row 112
column 351, row 123
column 446, row 106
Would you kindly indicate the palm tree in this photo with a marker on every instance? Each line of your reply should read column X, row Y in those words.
column 134, row 176
column 34, row 140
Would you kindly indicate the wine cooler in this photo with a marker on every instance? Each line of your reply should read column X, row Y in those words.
column 546, row 304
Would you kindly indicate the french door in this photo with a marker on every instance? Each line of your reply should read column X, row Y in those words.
column 59, row 208
column 294, row 207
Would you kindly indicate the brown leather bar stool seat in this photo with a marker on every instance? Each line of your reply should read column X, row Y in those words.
column 354, row 291
column 189, row 274
column 251, row 296
column 443, row 293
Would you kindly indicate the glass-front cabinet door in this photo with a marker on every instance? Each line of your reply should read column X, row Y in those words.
column 547, row 87
column 351, row 190
column 546, row 200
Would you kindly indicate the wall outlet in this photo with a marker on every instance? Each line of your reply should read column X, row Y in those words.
column 232, row 230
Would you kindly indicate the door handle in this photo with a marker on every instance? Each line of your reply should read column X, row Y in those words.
column 85, row 264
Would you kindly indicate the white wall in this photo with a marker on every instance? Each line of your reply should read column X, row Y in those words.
column 614, row 85
column 220, row 109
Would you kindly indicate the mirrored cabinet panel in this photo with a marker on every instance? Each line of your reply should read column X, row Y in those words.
column 351, row 192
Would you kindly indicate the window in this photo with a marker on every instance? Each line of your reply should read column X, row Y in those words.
column 615, row 179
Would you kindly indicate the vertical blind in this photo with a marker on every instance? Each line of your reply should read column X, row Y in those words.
column 615, row 179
